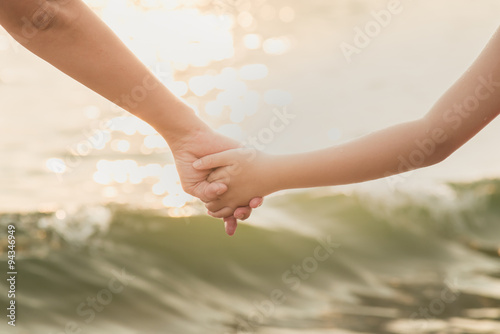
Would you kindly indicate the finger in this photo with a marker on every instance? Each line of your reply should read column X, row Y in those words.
column 242, row 213
column 256, row 202
column 215, row 206
column 213, row 161
column 224, row 212
column 230, row 225
column 219, row 175
column 213, row 190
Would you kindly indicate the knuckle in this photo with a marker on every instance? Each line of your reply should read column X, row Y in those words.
column 212, row 206
column 225, row 177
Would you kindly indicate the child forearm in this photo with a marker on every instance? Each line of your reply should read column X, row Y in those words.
column 371, row 157
column 466, row 108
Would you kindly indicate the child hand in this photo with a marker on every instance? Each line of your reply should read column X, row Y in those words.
column 246, row 172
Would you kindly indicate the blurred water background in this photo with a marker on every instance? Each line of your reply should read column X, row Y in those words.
column 95, row 197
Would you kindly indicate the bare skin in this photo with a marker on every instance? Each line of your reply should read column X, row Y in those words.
column 68, row 35
column 466, row 108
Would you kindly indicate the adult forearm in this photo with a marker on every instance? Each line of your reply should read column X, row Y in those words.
column 68, row 35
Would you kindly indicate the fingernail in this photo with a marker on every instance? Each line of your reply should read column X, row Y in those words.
column 197, row 163
column 239, row 216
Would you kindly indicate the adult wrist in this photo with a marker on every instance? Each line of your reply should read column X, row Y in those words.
column 180, row 127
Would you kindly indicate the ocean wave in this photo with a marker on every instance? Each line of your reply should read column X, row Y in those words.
column 188, row 275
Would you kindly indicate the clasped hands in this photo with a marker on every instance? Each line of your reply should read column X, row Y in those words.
column 226, row 191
